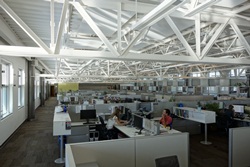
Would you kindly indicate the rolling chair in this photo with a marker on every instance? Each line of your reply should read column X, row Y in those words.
column 224, row 122
column 170, row 161
column 105, row 134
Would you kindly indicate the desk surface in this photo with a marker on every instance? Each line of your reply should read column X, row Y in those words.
column 131, row 131
column 246, row 119
column 84, row 123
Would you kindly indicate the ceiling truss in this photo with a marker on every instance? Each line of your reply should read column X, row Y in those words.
column 128, row 41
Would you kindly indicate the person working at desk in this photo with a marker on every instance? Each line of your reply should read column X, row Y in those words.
column 166, row 120
column 230, row 111
column 114, row 119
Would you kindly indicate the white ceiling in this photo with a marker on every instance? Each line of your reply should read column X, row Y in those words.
column 123, row 40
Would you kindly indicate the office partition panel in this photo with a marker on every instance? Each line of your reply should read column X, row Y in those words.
column 239, row 148
column 111, row 153
column 150, row 148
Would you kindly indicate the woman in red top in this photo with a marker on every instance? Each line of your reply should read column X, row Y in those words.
column 166, row 120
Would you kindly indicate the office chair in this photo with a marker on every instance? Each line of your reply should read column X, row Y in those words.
column 105, row 134
column 224, row 122
column 170, row 161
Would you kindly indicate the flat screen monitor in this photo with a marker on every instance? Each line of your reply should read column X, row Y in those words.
column 138, row 123
column 239, row 108
column 88, row 115
column 146, row 107
column 247, row 110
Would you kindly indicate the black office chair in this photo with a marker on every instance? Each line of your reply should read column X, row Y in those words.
column 105, row 134
column 170, row 161
column 224, row 122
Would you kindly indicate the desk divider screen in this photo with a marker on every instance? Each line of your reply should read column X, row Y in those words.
column 239, row 147
column 111, row 153
column 130, row 152
column 150, row 148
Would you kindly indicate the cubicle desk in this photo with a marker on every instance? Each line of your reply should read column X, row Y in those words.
column 84, row 132
column 192, row 114
column 243, row 122
column 131, row 131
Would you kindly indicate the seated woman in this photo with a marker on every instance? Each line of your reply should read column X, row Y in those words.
column 114, row 119
column 166, row 120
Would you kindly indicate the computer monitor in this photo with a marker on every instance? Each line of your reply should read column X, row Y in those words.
column 247, row 110
column 88, row 115
column 239, row 108
column 138, row 123
column 146, row 106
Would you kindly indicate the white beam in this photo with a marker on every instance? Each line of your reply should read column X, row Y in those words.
column 94, row 27
column 46, row 67
column 52, row 24
column 241, row 37
column 119, row 28
column 153, row 16
column 126, row 5
column 61, row 27
column 81, row 54
column 7, row 33
column 24, row 26
column 213, row 39
column 201, row 7
column 180, row 37
column 134, row 40
column 198, row 35
column 242, row 8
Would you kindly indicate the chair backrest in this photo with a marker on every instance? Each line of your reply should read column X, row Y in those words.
column 170, row 161
column 101, row 120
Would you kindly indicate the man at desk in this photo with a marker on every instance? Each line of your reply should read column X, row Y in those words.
column 230, row 111
column 114, row 119
column 166, row 120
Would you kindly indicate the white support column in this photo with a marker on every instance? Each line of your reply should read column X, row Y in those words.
column 61, row 27
column 180, row 37
column 24, row 26
column 213, row 39
column 241, row 37
column 94, row 27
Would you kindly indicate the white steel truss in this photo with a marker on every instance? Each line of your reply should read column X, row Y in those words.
column 127, row 41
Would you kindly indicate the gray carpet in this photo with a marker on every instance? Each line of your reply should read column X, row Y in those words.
column 33, row 144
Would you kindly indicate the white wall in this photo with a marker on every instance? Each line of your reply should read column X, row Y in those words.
column 9, row 124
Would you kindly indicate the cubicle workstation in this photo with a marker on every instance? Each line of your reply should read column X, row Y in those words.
column 132, row 152
column 196, row 115
column 143, row 126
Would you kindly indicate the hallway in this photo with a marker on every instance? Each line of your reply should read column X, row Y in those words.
column 33, row 144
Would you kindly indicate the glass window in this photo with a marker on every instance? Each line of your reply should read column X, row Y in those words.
column 21, row 83
column 214, row 74
column 6, row 89
column 196, row 75
column 238, row 72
